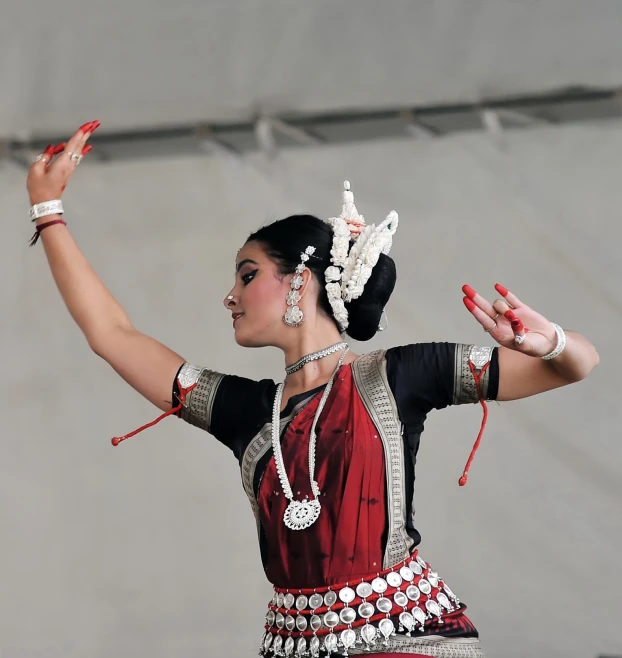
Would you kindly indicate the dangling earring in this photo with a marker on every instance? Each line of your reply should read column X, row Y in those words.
column 386, row 317
column 294, row 316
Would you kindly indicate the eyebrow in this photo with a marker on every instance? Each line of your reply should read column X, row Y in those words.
column 243, row 262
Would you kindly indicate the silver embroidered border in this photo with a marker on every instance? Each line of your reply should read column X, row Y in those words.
column 370, row 377
column 197, row 409
column 465, row 390
column 435, row 647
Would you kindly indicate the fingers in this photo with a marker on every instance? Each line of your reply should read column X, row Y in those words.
column 479, row 301
column 42, row 160
column 77, row 143
column 518, row 327
column 509, row 297
column 481, row 316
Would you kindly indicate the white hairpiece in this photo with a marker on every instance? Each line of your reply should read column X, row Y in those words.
column 352, row 265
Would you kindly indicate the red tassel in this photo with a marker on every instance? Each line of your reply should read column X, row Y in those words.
column 465, row 475
column 35, row 236
column 182, row 398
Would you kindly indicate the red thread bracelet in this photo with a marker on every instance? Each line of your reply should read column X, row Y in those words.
column 35, row 237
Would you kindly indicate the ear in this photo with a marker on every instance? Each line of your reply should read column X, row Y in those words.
column 307, row 278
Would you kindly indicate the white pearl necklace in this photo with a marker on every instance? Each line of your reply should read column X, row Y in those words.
column 300, row 514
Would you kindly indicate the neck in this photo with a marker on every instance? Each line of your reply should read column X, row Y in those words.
column 316, row 372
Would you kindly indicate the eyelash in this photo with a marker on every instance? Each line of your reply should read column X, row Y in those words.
column 246, row 280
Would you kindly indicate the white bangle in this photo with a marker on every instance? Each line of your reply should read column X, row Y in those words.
column 46, row 208
column 561, row 343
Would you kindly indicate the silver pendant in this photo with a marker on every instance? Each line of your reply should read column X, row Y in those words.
column 314, row 646
column 379, row 585
column 444, row 601
column 289, row 646
column 407, row 574
column 330, row 598
column 386, row 628
column 301, row 623
column 413, row 593
column 424, row 586
column 416, row 568
column 419, row 616
column 394, row 579
column 400, row 599
column 384, row 605
column 347, row 595
column 315, row 601
column 433, row 578
column 301, row 514
column 407, row 621
column 301, row 647
column 276, row 645
column 368, row 633
column 288, row 600
column 348, row 639
column 347, row 615
column 434, row 609
column 301, row 602
column 330, row 643
column 364, row 590
column 366, row 610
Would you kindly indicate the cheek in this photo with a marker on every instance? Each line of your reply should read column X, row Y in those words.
column 265, row 295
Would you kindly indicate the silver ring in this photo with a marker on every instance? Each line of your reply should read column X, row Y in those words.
column 75, row 157
column 491, row 328
column 519, row 339
column 38, row 158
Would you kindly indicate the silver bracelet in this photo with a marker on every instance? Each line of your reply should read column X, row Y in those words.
column 46, row 208
column 561, row 343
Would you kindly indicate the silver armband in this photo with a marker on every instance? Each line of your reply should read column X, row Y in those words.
column 561, row 343
column 46, row 208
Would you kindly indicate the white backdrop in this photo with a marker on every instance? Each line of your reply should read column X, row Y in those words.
column 144, row 63
column 149, row 549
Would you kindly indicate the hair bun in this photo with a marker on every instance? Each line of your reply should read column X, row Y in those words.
column 365, row 312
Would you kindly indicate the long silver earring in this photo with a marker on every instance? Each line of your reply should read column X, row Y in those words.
column 294, row 316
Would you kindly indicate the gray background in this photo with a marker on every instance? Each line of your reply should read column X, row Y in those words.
column 149, row 549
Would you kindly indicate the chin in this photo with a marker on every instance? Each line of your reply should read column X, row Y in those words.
column 247, row 339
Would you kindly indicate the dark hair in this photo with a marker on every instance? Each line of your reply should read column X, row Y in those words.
column 284, row 241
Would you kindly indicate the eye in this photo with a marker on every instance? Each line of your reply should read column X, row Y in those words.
column 247, row 278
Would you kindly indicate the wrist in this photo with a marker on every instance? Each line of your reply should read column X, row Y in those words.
column 47, row 218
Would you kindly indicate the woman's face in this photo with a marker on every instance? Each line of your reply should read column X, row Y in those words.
column 258, row 303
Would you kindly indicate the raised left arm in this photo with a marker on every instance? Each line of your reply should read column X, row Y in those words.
column 525, row 336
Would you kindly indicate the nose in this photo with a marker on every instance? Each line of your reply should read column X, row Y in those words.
column 229, row 301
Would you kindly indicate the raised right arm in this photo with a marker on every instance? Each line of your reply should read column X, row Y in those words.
column 144, row 363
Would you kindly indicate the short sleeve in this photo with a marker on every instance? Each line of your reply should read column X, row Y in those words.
column 227, row 406
column 425, row 376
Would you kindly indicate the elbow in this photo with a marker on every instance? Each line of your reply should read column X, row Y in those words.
column 590, row 362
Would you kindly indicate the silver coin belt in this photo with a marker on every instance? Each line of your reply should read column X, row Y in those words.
column 361, row 614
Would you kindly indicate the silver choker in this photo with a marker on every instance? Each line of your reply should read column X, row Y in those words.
column 289, row 370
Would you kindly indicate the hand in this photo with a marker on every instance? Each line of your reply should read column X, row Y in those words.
column 49, row 175
column 512, row 323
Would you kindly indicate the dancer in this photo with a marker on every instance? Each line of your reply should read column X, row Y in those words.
column 328, row 455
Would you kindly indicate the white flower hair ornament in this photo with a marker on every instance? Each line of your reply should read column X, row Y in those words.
column 352, row 265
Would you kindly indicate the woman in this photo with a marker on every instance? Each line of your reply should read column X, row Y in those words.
column 327, row 457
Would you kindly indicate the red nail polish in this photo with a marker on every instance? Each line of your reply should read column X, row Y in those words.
column 87, row 149
column 49, row 147
column 510, row 316
column 468, row 303
column 59, row 148
column 86, row 127
column 517, row 325
column 468, row 291
column 95, row 125
column 502, row 290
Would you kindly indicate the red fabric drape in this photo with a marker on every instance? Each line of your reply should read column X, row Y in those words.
column 346, row 541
